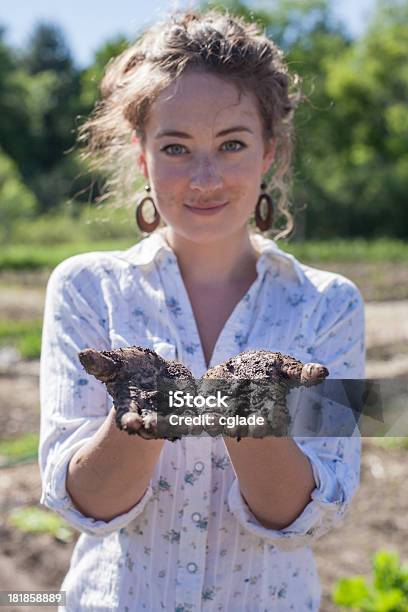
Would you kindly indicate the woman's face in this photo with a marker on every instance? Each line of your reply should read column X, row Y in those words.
column 204, row 156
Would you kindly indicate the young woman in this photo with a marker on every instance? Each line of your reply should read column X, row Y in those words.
column 202, row 106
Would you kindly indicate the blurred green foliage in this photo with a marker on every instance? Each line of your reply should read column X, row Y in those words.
column 24, row 335
column 34, row 520
column 387, row 593
column 17, row 201
column 19, row 450
column 351, row 162
column 391, row 443
column 31, row 257
column 37, row 255
column 92, row 224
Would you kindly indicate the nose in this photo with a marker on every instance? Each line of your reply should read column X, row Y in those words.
column 206, row 176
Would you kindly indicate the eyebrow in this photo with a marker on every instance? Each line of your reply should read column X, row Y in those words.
column 177, row 134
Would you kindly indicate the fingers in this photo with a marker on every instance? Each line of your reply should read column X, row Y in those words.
column 131, row 376
column 99, row 365
column 313, row 373
column 131, row 422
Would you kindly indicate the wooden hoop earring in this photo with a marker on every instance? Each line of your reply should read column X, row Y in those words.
column 264, row 223
column 144, row 225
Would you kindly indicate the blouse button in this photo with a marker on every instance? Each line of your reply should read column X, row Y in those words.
column 196, row 516
column 199, row 466
column 192, row 567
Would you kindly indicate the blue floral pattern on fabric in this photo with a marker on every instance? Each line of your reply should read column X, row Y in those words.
column 192, row 543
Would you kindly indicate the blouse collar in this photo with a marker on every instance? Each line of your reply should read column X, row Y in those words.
column 145, row 252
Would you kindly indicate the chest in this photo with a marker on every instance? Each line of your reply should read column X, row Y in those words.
column 212, row 310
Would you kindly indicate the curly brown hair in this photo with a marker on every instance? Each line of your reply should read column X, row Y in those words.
column 215, row 42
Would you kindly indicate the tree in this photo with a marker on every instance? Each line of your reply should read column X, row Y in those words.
column 91, row 76
column 39, row 95
column 288, row 23
column 48, row 50
column 16, row 200
column 43, row 95
column 13, row 107
column 362, row 170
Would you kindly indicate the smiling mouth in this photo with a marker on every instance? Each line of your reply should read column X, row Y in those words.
column 209, row 206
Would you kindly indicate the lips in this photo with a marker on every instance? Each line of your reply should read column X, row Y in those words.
column 207, row 205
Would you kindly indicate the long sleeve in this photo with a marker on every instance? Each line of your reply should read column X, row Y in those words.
column 73, row 404
column 335, row 461
column 185, row 550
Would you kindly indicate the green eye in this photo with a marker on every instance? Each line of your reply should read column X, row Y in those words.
column 233, row 145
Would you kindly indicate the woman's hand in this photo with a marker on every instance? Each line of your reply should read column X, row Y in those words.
column 131, row 376
column 255, row 383
column 258, row 383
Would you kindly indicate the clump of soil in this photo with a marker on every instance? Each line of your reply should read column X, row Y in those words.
column 259, row 382
column 132, row 376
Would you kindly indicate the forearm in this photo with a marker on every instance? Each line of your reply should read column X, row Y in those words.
column 275, row 478
column 110, row 474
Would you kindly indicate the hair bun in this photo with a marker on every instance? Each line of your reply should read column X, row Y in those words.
column 217, row 42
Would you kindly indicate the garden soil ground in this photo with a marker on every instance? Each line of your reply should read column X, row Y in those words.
column 379, row 514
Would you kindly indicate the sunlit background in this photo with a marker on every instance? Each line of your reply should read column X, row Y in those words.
column 88, row 24
column 350, row 166
column 349, row 199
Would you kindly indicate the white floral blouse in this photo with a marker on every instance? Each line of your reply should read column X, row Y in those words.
column 192, row 543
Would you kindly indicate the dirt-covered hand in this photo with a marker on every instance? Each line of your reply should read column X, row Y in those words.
column 258, row 382
column 131, row 376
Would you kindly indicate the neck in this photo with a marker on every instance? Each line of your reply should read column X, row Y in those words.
column 214, row 264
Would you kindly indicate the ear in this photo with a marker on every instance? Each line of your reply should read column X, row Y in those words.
column 141, row 158
column 269, row 155
column 141, row 162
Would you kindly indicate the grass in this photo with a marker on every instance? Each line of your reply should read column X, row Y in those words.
column 25, row 336
column 34, row 520
column 380, row 250
column 19, row 450
column 37, row 256
column 391, row 443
